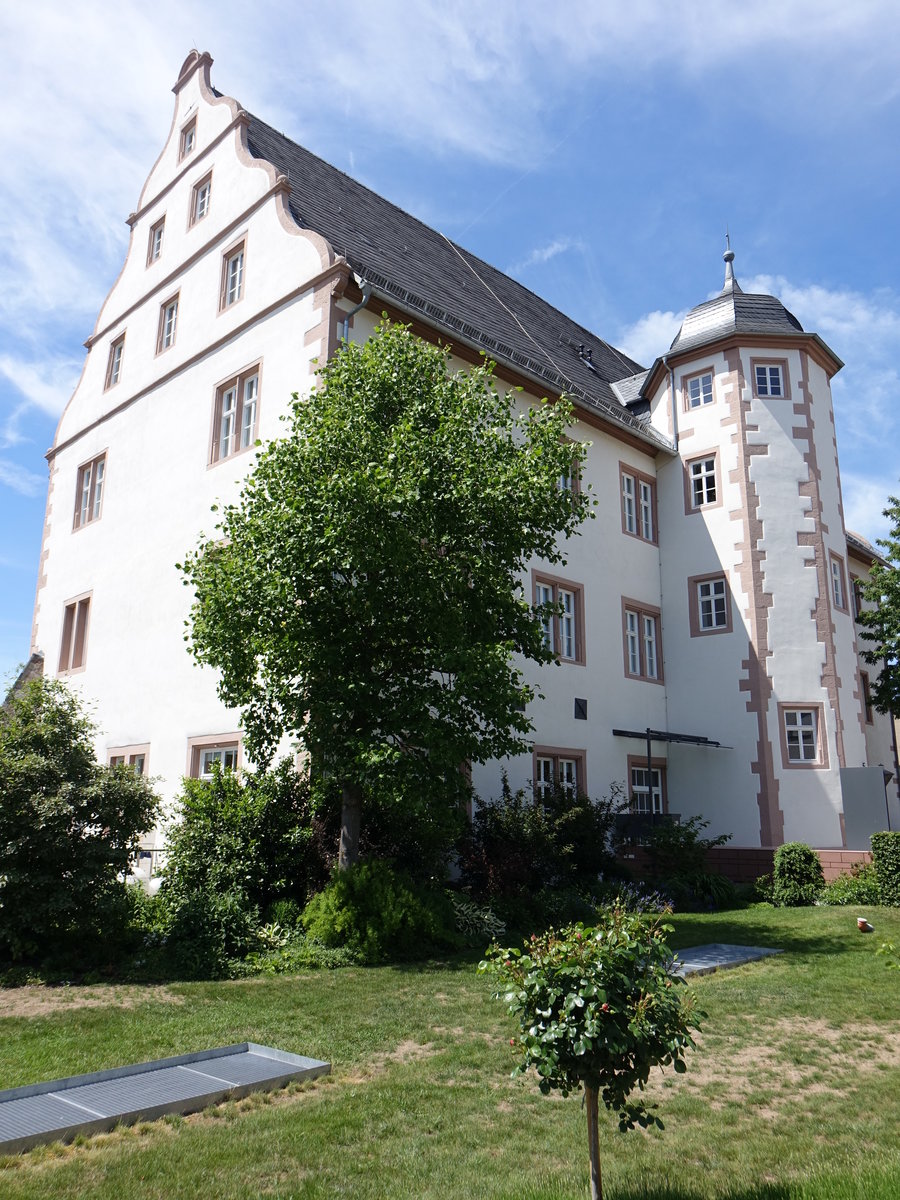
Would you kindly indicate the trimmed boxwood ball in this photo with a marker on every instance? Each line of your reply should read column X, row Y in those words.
column 797, row 878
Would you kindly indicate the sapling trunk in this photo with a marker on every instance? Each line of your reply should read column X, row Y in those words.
column 591, row 1104
column 351, row 819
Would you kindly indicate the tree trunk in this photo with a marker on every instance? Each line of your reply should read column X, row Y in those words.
column 590, row 1099
column 351, row 818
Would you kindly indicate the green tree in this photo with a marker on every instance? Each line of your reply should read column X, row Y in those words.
column 69, row 827
column 365, row 597
column 597, row 1008
column 881, row 622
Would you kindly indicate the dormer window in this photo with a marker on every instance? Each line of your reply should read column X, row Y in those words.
column 188, row 138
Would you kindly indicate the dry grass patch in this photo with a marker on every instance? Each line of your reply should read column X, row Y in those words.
column 39, row 1000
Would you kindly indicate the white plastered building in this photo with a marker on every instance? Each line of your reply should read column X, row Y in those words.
column 708, row 658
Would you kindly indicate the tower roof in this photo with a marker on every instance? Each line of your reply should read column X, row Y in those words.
column 733, row 311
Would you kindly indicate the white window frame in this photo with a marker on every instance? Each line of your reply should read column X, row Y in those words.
column 803, row 735
column 704, row 489
column 563, row 629
column 136, row 757
column 712, row 604
column 168, row 324
column 201, row 195
column 236, row 415
column 114, row 364
column 768, row 380
column 188, row 141
column 155, row 241
column 225, row 748
column 642, row 641
column 553, row 766
column 233, row 270
column 73, row 642
column 838, row 582
column 698, row 390
column 89, row 491
column 644, row 797
column 638, row 498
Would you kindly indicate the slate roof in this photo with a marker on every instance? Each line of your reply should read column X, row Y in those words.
column 734, row 311
column 452, row 290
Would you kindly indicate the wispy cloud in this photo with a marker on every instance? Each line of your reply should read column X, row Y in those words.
column 543, row 254
column 20, row 479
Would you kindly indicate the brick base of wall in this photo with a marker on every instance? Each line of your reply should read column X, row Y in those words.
column 744, row 864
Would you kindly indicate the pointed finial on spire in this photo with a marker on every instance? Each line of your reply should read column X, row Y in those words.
column 731, row 284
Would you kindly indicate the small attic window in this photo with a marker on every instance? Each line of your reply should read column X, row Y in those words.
column 188, row 139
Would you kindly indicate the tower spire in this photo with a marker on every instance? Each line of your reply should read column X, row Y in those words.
column 731, row 284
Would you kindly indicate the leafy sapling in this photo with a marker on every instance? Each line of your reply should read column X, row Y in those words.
column 597, row 1008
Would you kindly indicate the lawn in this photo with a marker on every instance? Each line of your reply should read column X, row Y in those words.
column 793, row 1094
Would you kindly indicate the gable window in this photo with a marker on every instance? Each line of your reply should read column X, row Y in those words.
column 769, row 378
column 155, row 243
column 698, row 390
column 642, row 643
column 638, row 504
column 802, row 743
column 702, row 473
column 554, row 768
column 73, row 645
column 236, row 414
column 89, row 491
column 114, row 365
column 168, row 323
column 232, row 276
column 564, row 626
column 709, row 605
column 838, row 584
column 188, row 141
column 647, row 787
column 200, row 199
column 205, row 753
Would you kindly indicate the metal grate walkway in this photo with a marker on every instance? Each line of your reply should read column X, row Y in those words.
column 62, row 1108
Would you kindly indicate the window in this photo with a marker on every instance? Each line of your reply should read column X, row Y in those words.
column 200, row 199
column 802, row 744
column 89, row 491
column 643, row 656
column 135, row 757
column 188, row 139
column 647, row 787
column 205, row 753
column 74, row 634
column 235, row 421
column 856, row 594
column 769, row 378
column 638, row 504
column 168, row 322
column 155, row 242
column 563, row 627
column 558, row 768
column 709, row 605
column 838, row 585
column 114, row 364
column 703, row 487
column 866, row 691
column 698, row 390
column 232, row 276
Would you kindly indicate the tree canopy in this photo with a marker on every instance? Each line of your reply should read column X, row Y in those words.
column 881, row 622
column 365, row 594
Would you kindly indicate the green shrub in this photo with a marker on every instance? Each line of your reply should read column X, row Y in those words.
column 69, row 829
column 476, row 923
column 521, row 843
column 677, row 852
column 860, row 886
column 204, row 934
column 764, row 889
column 886, row 857
column 297, row 953
column 797, row 878
column 380, row 914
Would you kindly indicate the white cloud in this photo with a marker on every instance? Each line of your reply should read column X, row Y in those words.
column 20, row 479
column 649, row 336
column 543, row 254
column 865, row 499
column 45, row 384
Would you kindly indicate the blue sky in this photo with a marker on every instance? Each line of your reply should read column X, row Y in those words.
column 597, row 152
